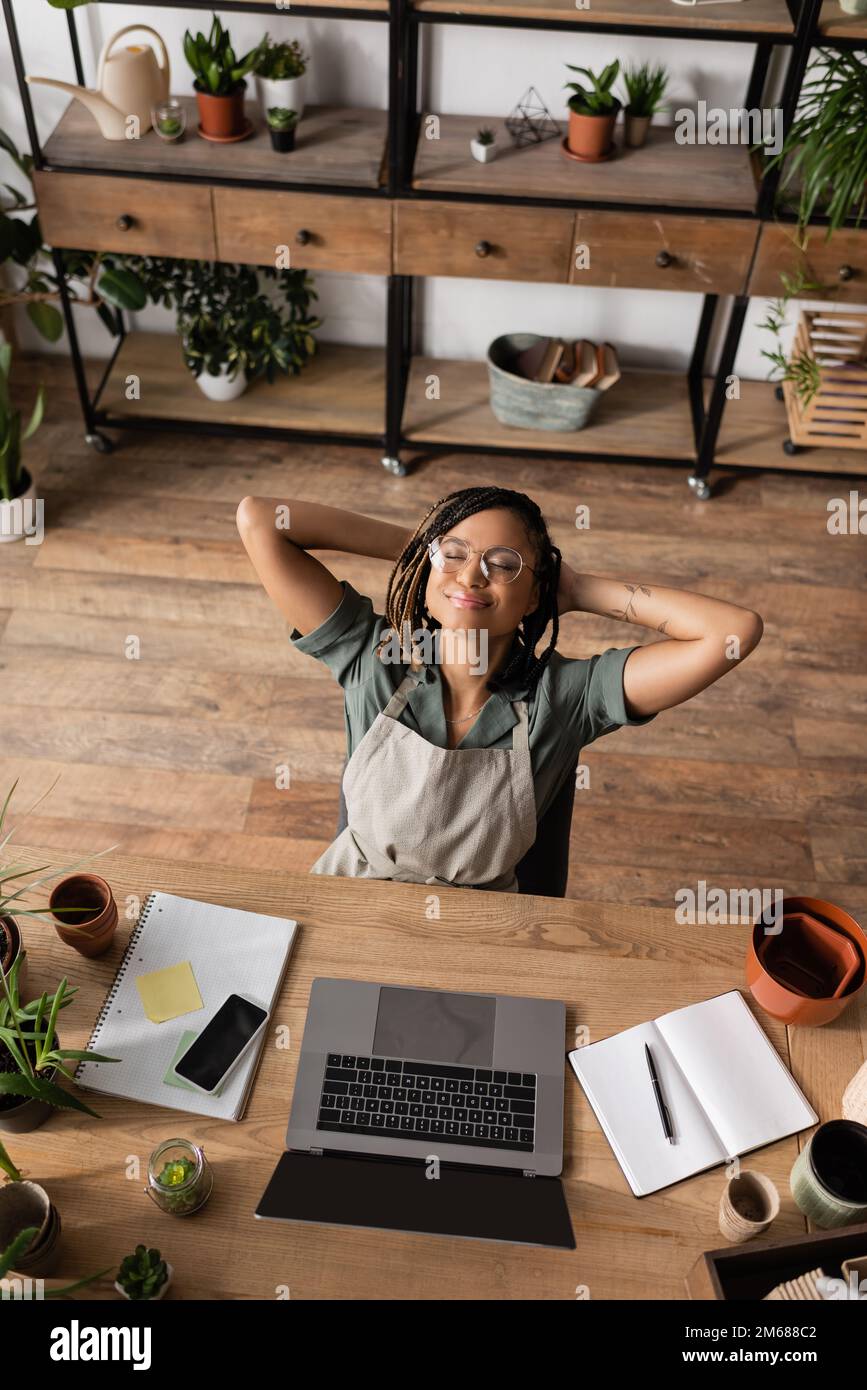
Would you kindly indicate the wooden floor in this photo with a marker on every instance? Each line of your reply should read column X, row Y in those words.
column 759, row 782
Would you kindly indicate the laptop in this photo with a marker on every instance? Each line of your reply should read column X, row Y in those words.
column 427, row 1110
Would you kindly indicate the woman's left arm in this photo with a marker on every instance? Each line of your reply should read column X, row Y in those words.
column 705, row 637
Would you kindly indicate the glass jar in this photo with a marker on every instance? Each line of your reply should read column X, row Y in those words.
column 169, row 120
column 179, row 1177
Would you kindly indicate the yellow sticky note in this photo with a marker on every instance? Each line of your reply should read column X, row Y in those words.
column 169, row 993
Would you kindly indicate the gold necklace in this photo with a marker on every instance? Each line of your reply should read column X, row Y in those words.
column 465, row 717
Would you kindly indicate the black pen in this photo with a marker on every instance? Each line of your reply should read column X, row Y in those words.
column 657, row 1091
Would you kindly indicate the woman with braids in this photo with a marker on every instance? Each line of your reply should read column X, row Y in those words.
column 458, row 747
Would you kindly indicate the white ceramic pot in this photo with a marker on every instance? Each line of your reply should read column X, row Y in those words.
column 483, row 153
column 15, row 515
column 220, row 387
column 164, row 1288
column 287, row 92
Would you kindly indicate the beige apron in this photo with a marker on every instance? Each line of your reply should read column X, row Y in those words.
column 421, row 814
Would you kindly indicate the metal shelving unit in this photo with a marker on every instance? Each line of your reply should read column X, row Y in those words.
column 407, row 24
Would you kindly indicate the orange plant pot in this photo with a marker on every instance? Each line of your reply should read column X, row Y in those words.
column 222, row 117
column 591, row 137
column 98, row 919
column 783, row 1001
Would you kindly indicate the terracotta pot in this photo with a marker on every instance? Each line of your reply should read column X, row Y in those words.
column 635, row 129
column 781, row 996
column 591, row 137
column 95, row 926
column 222, row 117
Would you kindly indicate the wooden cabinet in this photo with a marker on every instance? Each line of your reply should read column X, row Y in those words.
column 837, row 263
column 645, row 251
column 321, row 232
column 141, row 216
column 482, row 241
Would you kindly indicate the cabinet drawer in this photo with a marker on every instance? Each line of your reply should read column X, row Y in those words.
column 703, row 254
column 322, row 232
column 141, row 216
column 838, row 263
column 473, row 239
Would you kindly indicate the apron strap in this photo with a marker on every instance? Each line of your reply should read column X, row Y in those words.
column 397, row 704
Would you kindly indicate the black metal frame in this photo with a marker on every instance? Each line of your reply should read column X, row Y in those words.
column 405, row 25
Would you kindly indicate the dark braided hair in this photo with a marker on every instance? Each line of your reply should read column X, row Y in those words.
column 405, row 598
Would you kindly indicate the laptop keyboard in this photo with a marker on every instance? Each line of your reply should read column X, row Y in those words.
column 424, row 1100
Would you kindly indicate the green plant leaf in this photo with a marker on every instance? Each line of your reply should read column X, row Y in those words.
column 122, row 288
column 46, row 319
column 16, row 1249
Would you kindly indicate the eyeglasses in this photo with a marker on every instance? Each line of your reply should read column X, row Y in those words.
column 499, row 563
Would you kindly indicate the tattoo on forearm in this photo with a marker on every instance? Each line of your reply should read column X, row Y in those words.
column 628, row 614
column 663, row 627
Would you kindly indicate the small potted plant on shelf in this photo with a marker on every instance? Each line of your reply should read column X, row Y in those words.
column 593, row 109
column 17, row 487
column 169, row 120
column 484, row 147
column 219, row 82
column 645, row 89
column 282, row 124
column 280, row 69
column 144, row 1275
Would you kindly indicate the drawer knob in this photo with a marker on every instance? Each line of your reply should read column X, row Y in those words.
column 664, row 259
column 483, row 248
column 124, row 222
column 302, row 237
column 846, row 273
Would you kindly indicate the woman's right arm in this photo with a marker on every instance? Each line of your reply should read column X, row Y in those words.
column 277, row 536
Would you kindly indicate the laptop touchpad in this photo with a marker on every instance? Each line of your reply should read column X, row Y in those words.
column 425, row 1025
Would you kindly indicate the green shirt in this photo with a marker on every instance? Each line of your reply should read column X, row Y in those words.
column 574, row 701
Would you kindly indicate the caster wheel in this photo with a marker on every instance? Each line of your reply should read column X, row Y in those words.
column 790, row 448
column 701, row 488
column 778, row 392
column 394, row 465
column 100, row 442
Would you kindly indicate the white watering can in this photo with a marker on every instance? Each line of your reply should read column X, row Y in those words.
column 129, row 83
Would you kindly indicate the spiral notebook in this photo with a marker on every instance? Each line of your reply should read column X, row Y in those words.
column 725, row 1087
column 230, row 951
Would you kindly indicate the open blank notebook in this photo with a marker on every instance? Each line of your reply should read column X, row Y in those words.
column 726, row 1090
column 231, row 952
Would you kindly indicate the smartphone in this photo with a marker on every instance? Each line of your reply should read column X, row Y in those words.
column 222, row 1043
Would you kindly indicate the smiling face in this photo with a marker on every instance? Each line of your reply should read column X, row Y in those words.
column 469, row 599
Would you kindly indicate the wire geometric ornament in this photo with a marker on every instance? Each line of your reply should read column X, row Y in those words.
column 530, row 121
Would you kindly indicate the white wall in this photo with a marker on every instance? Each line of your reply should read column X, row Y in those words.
column 476, row 71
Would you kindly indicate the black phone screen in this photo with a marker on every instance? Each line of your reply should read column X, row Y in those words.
column 217, row 1046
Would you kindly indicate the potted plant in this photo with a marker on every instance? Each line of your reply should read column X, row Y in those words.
column 593, row 111
column 169, row 120
column 645, row 88
column 219, row 82
column 231, row 330
column 280, row 68
column 31, row 1056
column 144, row 1275
column 824, row 151
column 27, row 1206
column 16, row 482
column 281, row 124
column 484, row 147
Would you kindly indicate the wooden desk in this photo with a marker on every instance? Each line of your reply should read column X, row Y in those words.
column 613, row 966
